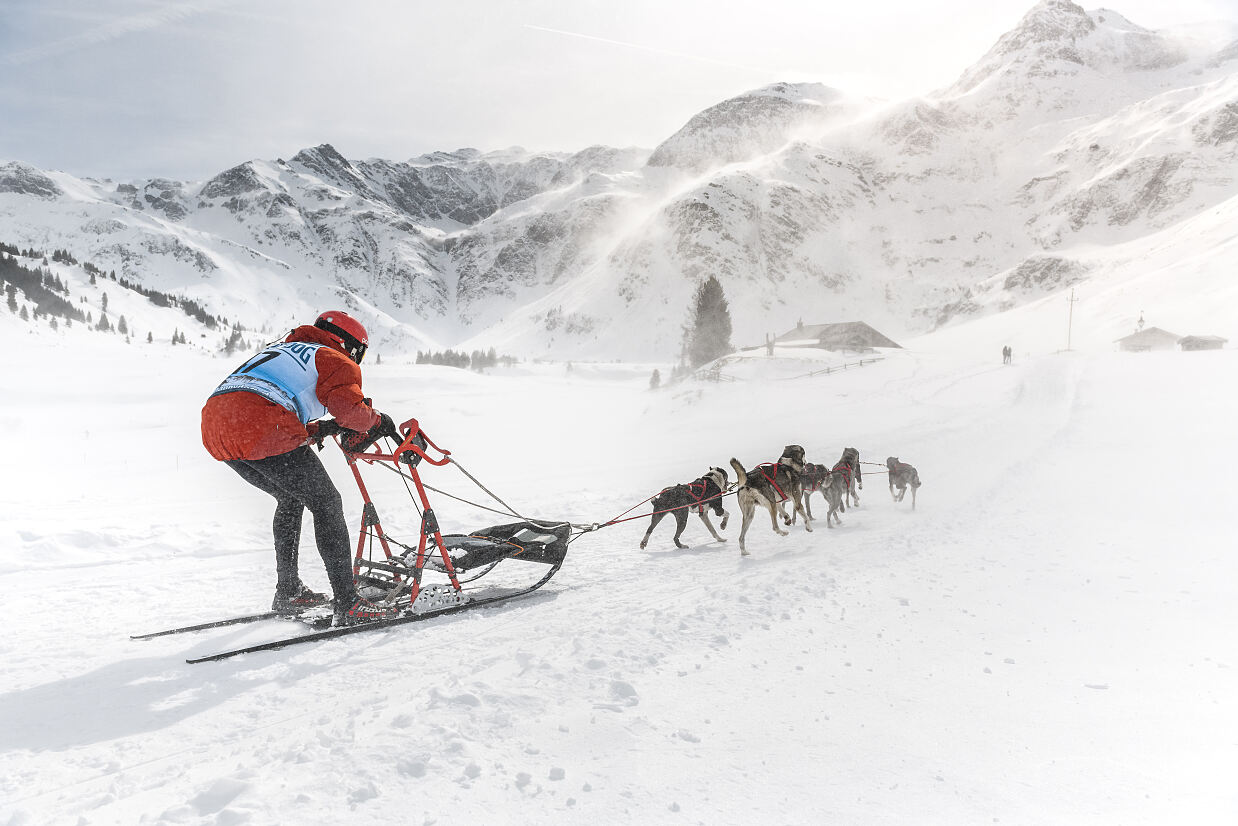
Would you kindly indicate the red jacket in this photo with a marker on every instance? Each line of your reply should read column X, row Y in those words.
column 244, row 425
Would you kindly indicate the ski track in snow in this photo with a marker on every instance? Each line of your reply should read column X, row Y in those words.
column 1044, row 640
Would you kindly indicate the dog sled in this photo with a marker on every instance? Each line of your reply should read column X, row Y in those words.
column 431, row 575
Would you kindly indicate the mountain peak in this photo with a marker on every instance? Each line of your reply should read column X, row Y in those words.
column 1058, row 36
column 23, row 179
column 1048, row 21
column 1047, row 33
column 230, row 183
column 324, row 159
column 746, row 125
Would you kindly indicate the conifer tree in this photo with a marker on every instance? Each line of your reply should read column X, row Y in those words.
column 233, row 343
column 709, row 331
column 122, row 327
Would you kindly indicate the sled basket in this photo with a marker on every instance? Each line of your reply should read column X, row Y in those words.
column 528, row 541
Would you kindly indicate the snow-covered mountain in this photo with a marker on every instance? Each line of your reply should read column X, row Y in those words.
column 1078, row 137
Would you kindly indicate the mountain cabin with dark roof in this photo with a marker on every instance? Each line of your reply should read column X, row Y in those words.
column 851, row 336
column 1191, row 343
column 1144, row 341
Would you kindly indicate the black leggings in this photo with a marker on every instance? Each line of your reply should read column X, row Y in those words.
column 298, row 481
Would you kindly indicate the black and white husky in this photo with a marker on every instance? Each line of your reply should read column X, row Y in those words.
column 704, row 494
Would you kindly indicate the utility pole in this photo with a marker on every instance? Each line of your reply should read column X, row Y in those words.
column 1070, row 318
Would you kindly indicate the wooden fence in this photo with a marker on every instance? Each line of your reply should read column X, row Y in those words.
column 714, row 373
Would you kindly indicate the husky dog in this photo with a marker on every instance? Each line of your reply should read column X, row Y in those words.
column 704, row 494
column 834, row 489
column 902, row 475
column 770, row 486
column 813, row 479
column 849, row 466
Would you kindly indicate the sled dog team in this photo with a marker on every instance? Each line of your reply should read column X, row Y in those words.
column 771, row 486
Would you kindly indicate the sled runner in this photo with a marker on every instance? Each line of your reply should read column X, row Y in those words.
column 438, row 575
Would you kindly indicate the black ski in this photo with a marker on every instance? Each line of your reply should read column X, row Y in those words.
column 214, row 624
column 331, row 633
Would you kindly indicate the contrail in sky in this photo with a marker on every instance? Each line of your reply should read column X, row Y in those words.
column 110, row 31
column 684, row 55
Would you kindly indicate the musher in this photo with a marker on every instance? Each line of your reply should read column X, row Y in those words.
column 259, row 422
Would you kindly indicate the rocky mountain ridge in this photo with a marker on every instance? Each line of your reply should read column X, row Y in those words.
column 1078, row 130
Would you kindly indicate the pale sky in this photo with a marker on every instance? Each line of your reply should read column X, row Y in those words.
column 138, row 88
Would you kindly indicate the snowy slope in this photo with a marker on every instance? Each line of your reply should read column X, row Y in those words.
column 1077, row 133
column 1045, row 640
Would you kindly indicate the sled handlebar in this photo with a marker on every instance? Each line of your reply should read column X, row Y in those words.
column 411, row 450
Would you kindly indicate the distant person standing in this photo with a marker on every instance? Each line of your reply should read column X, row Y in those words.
column 1006, row 353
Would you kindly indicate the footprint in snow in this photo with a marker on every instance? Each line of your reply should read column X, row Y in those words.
column 465, row 699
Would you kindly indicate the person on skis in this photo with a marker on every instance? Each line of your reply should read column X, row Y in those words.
column 260, row 421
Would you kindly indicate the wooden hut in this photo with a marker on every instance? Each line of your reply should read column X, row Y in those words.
column 1201, row 343
column 1152, row 338
column 849, row 336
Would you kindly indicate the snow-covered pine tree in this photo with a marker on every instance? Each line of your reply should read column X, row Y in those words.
column 234, row 342
column 709, row 331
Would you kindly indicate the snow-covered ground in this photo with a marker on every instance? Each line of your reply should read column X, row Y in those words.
column 1047, row 639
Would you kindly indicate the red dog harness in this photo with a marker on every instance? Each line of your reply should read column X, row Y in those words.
column 698, row 490
column 764, row 473
column 813, row 472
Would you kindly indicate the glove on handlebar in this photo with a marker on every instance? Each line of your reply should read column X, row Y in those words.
column 357, row 442
column 320, row 431
column 386, row 427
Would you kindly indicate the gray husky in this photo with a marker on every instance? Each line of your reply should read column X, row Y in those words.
column 849, row 467
column 903, row 475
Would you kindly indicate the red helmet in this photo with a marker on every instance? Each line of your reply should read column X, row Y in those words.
column 347, row 330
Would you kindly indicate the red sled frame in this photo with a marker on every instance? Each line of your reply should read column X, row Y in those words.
column 403, row 461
